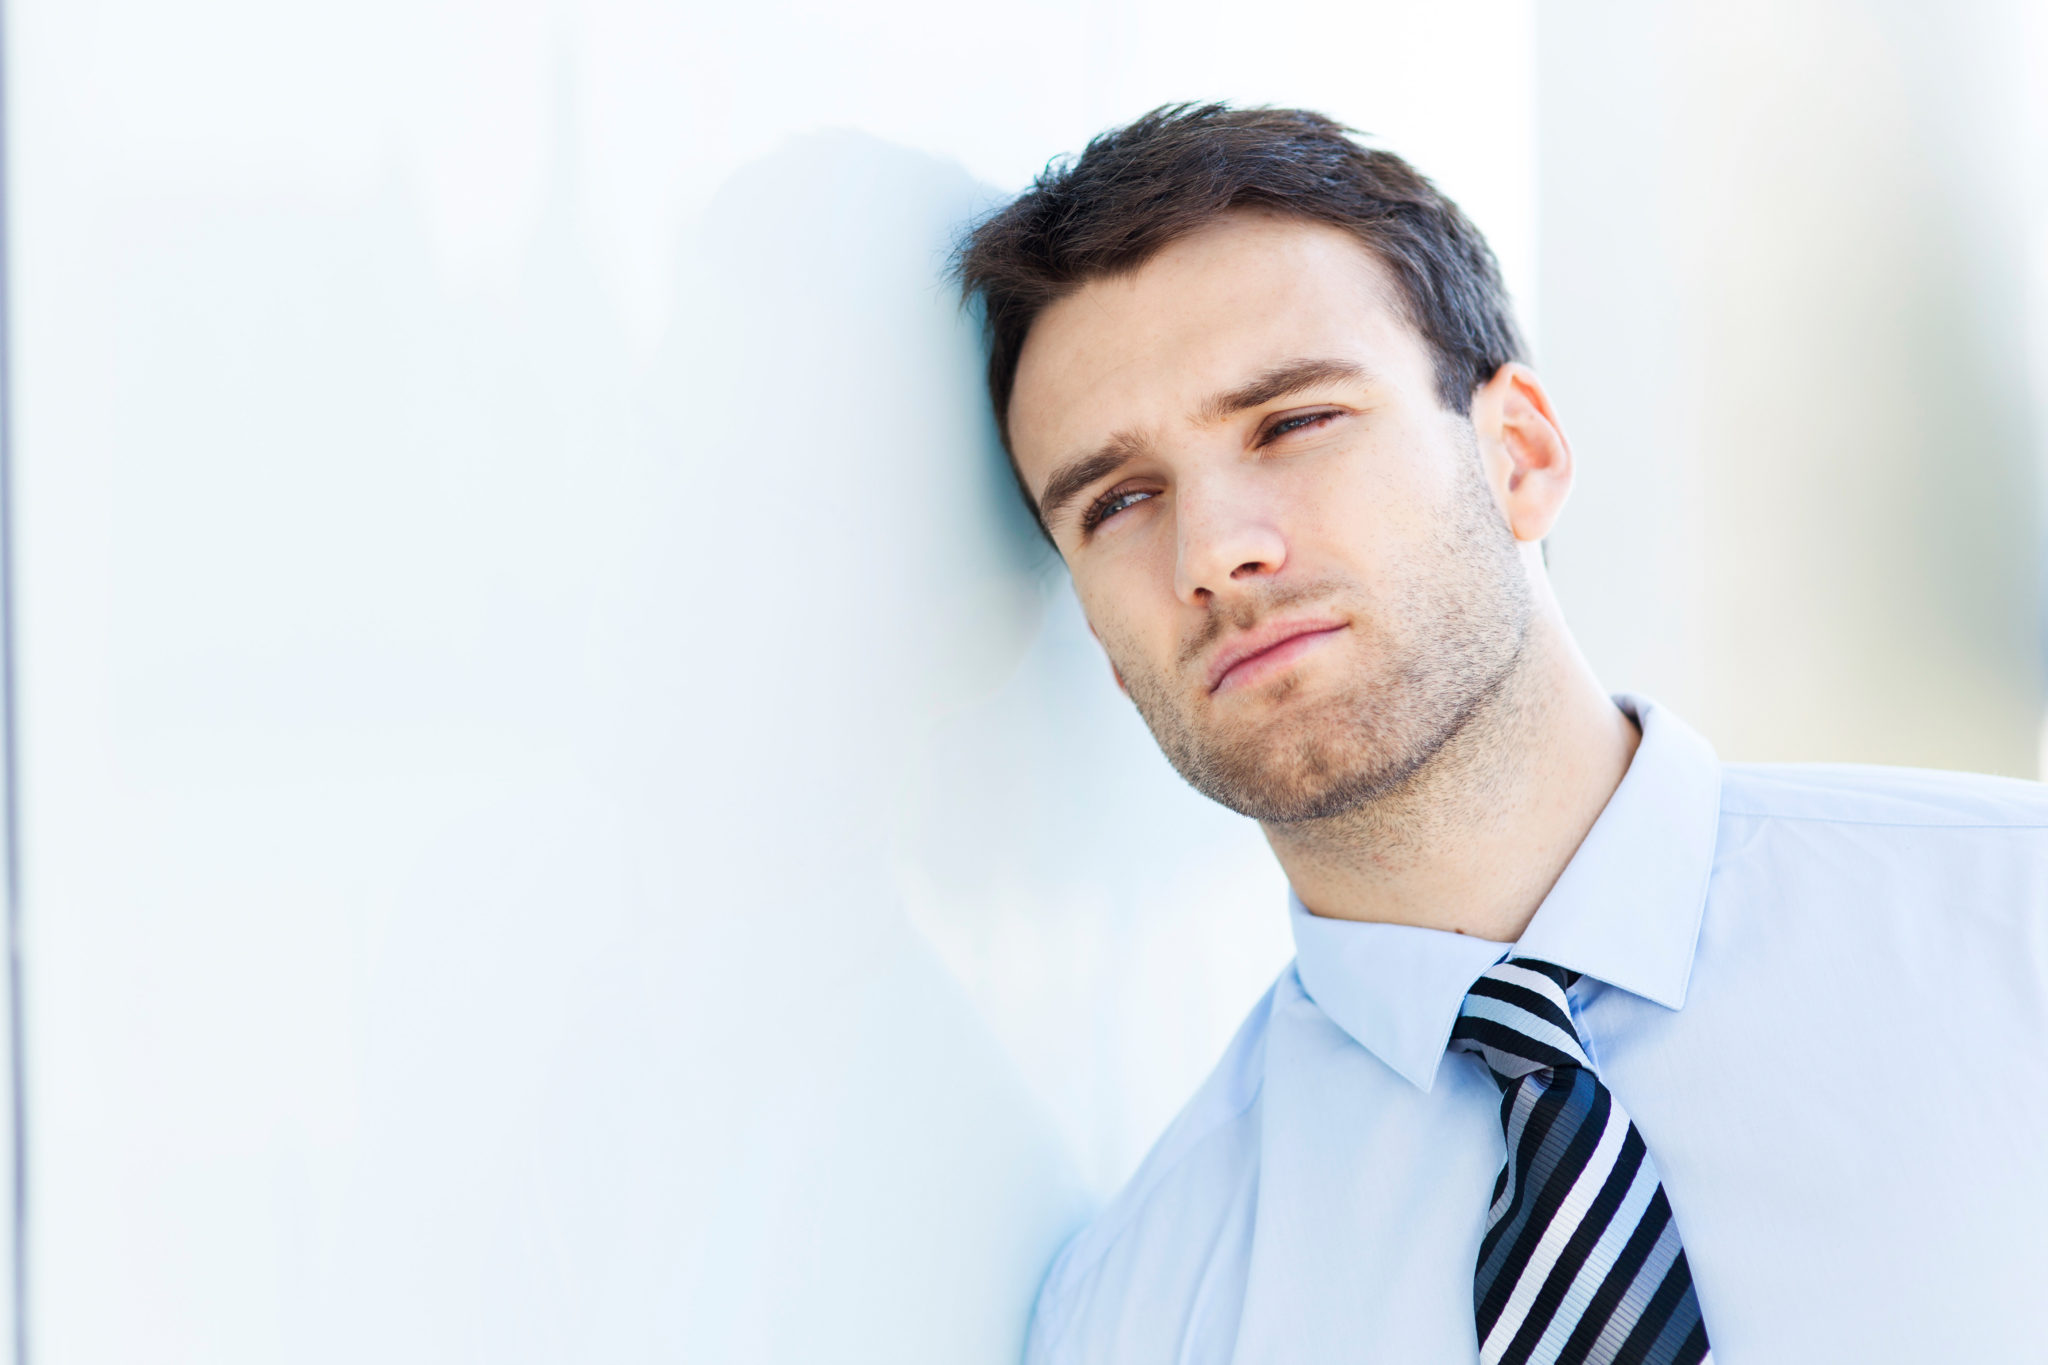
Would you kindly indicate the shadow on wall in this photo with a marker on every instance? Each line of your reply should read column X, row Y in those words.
column 748, row 1116
column 846, row 558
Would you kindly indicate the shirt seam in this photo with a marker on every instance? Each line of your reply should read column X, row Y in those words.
column 1885, row 824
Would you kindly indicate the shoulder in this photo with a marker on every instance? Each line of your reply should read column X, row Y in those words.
column 1856, row 794
column 1138, row 1280
column 1855, row 846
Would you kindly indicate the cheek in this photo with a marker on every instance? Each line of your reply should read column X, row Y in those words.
column 1126, row 624
column 1387, row 494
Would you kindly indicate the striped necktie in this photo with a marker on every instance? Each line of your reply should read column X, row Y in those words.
column 1581, row 1263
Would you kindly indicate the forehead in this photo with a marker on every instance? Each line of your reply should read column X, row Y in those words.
column 1221, row 304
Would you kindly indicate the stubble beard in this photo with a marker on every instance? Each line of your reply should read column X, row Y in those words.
column 1447, row 645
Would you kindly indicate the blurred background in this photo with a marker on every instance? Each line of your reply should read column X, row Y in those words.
column 558, row 809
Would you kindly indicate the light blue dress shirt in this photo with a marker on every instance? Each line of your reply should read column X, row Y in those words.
column 1820, row 991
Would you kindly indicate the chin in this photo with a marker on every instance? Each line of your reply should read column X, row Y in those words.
column 1307, row 767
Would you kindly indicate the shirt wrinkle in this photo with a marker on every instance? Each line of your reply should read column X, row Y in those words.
column 1100, row 1237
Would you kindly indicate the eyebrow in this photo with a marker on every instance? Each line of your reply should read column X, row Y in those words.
column 1292, row 376
column 1068, row 481
column 1288, row 377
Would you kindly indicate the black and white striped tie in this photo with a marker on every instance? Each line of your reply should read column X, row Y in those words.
column 1581, row 1263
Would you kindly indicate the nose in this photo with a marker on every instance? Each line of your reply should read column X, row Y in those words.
column 1225, row 541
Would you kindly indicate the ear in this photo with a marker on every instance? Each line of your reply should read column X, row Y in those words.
column 1528, row 461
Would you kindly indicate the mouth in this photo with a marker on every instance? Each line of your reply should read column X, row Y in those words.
column 1259, row 654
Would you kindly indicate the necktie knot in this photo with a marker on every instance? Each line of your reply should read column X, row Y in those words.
column 1518, row 1020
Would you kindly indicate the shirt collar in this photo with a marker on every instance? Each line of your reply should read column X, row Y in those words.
column 1626, row 911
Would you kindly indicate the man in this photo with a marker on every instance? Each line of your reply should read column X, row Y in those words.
column 1594, row 1049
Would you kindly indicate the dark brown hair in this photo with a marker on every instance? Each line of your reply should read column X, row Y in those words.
column 1137, row 188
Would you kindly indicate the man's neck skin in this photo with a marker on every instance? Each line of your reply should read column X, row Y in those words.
column 1473, row 842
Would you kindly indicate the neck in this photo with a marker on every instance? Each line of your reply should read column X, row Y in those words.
column 1474, row 840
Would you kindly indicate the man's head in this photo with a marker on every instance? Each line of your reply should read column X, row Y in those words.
column 1263, row 389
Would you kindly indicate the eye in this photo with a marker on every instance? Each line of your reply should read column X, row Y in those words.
column 1111, row 503
column 1293, row 422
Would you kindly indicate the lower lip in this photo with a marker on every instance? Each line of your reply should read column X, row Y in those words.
column 1270, row 663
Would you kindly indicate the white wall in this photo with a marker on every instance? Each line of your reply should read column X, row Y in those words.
column 565, row 817
column 1795, row 278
